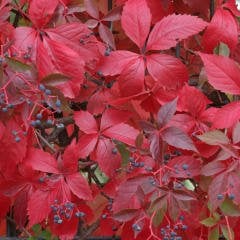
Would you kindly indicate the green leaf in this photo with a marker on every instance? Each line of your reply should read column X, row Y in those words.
column 37, row 228
column 18, row 66
column 100, row 176
column 159, row 215
column 222, row 49
column 228, row 208
column 125, row 154
column 46, row 235
column 226, row 232
column 209, row 222
column 54, row 79
column 189, row 185
column 213, row 234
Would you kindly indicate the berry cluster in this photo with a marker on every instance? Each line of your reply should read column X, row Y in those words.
column 65, row 211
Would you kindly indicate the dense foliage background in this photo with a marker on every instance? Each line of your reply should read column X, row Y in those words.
column 120, row 118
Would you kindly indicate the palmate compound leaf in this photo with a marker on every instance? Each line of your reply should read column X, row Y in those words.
column 222, row 72
column 136, row 21
column 173, row 28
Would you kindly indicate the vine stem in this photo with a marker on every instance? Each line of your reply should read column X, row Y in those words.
column 229, row 229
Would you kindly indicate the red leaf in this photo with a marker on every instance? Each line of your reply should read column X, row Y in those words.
column 173, row 28
column 192, row 100
column 39, row 200
column 123, row 133
column 87, row 144
column 5, row 204
column 113, row 117
column 227, row 116
column 106, row 35
column 86, row 122
column 131, row 80
column 41, row 161
column 166, row 112
column 168, row 71
column 236, row 133
column 184, row 167
column 136, row 21
column 233, row 186
column 68, row 62
column 91, row 8
column 156, row 147
column 79, row 186
column 2, row 129
column 113, row 15
column 177, row 138
column 217, row 186
column 108, row 161
column 223, row 28
column 41, row 11
column 120, row 60
column 127, row 198
column 70, row 158
column 222, row 72
column 213, row 168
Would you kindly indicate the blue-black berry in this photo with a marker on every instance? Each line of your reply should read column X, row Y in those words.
column 231, row 196
column 39, row 116
column 136, row 227
column 58, row 103
column 48, row 91
column 219, row 197
column 185, row 166
column 17, row 139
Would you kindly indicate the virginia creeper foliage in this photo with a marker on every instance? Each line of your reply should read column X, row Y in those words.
column 120, row 118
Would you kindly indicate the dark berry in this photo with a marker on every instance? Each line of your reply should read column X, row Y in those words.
column 10, row 106
column 167, row 156
column 48, row 91
column 107, row 53
column 59, row 221
column 231, row 196
column 39, row 116
column 184, row 227
column 114, row 151
column 219, row 197
column 42, row 87
column 141, row 164
column 185, row 166
column 136, row 227
column 181, row 218
column 33, row 123
column 49, row 122
column 58, row 103
column 38, row 122
column 79, row 214
column 177, row 153
column 17, row 139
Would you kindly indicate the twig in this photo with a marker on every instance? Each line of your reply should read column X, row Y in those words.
column 45, row 141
